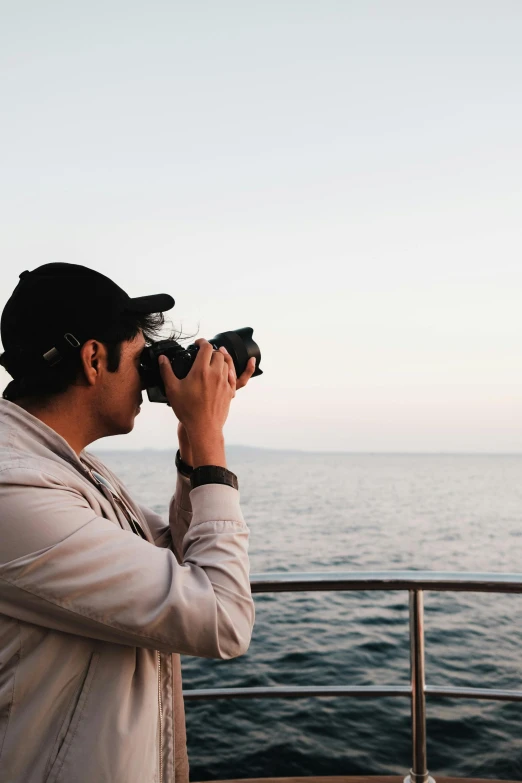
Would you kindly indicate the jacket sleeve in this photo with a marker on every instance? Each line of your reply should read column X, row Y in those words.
column 180, row 517
column 65, row 568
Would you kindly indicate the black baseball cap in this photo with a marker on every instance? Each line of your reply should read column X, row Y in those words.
column 57, row 307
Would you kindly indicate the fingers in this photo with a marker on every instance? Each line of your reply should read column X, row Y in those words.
column 229, row 364
column 207, row 355
column 219, row 360
column 167, row 373
column 247, row 373
column 204, row 355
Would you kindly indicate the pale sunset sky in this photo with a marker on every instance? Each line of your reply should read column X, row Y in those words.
column 344, row 176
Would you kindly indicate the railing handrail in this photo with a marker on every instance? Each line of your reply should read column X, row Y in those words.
column 415, row 582
column 453, row 581
column 351, row 691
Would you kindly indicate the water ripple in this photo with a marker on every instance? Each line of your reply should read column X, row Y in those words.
column 361, row 512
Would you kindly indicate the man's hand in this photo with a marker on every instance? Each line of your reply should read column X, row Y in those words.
column 201, row 402
column 247, row 372
column 185, row 448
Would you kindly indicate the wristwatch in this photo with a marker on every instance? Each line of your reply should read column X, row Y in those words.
column 206, row 474
column 212, row 474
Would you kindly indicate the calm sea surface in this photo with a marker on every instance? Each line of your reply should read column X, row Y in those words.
column 313, row 512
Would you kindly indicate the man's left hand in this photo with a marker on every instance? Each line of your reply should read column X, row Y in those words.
column 245, row 375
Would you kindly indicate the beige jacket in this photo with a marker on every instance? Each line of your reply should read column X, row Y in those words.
column 93, row 618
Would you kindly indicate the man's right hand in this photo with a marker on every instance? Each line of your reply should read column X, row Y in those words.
column 201, row 401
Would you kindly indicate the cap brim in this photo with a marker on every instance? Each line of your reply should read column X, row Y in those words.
column 157, row 303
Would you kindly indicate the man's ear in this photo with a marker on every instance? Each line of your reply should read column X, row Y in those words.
column 93, row 355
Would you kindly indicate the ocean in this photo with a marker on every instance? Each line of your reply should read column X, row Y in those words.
column 359, row 512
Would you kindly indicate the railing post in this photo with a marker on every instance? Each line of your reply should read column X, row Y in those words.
column 419, row 771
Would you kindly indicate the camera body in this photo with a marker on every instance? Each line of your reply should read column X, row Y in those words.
column 239, row 343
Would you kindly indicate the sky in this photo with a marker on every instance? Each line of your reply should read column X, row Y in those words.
column 343, row 176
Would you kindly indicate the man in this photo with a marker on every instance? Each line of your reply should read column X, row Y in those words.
column 98, row 596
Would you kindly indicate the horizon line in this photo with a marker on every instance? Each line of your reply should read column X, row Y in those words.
column 331, row 451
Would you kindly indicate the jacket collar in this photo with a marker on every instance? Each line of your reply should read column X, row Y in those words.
column 23, row 432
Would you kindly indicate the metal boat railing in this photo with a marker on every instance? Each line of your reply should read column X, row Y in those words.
column 416, row 582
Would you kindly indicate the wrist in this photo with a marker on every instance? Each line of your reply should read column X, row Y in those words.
column 185, row 453
column 210, row 457
column 184, row 445
column 209, row 451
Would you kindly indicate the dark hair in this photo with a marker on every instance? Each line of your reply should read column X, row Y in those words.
column 44, row 382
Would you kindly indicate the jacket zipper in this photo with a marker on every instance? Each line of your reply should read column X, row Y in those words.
column 160, row 705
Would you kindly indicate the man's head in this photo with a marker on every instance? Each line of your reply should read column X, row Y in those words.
column 69, row 331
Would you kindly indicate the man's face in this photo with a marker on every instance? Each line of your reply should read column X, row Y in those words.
column 119, row 394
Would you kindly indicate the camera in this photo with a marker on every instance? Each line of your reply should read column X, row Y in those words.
column 239, row 343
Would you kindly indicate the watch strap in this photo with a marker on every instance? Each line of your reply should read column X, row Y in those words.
column 183, row 467
column 213, row 474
